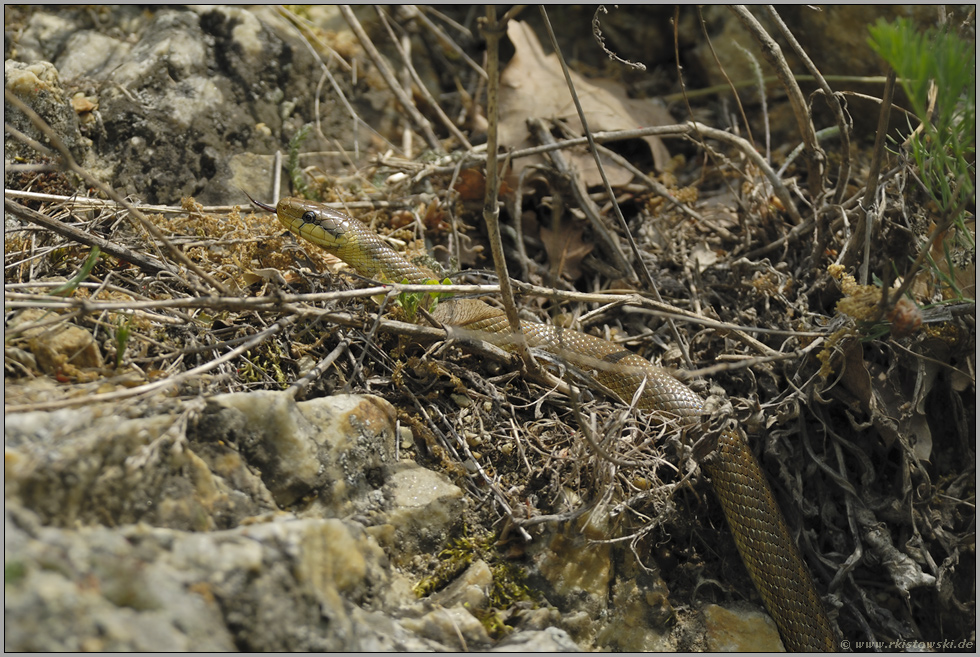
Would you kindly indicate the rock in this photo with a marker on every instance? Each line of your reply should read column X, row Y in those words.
column 426, row 508
column 740, row 629
column 39, row 86
column 331, row 457
column 634, row 625
column 93, row 54
column 180, row 92
column 95, row 590
column 159, row 529
column 93, row 466
column 59, row 345
column 469, row 590
column 377, row 632
column 332, row 452
column 248, row 171
column 580, row 582
column 550, row 639
column 579, row 625
column 285, row 584
column 454, row 627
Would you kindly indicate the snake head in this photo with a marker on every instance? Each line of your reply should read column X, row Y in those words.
column 348, row 239
column 325, row 227
column 295, row 214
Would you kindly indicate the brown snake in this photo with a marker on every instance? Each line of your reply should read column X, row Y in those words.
column 761, row 535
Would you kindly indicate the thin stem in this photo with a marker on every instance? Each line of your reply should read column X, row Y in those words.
column 862, row 231
column 145, row 263
column 813, row 155
column 844, row 172
column 384, row 69
column 492, row 31
column 423, row 89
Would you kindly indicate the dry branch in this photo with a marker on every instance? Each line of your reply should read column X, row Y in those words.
column 420, row 122
column 812, row 153
column 147, row 264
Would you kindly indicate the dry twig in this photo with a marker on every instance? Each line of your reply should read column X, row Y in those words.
column 492, row 31
column 420, row 122
column 420, row 86
column 147, row 264
column 844, row 172
column 812, row 153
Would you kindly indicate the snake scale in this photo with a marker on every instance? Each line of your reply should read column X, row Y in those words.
column 761, row 535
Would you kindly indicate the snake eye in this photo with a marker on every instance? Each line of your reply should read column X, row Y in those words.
column 309, row 217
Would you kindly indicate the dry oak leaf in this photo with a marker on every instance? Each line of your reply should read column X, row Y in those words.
column 566, row 249
column 532, row 85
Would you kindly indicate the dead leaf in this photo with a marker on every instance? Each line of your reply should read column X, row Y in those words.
column 854, row 375
column 267, row 275
column 532, row 85
column 703, row 256
column 434, row 217
column 470, row 185
column 895, row 410
column 566, row 249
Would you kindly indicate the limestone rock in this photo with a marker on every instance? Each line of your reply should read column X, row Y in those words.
column 737, row 629
column 454, row 627
column 96, row 590
column 58, row 345
column 426, row 507
column 550, row 639
column 469, row 590
column 334, row 452
column 94, row 466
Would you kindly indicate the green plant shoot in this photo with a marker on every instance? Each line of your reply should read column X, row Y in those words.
column 66, row 289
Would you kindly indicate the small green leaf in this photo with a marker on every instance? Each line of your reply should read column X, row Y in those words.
column 122, row 334
column 69, row 287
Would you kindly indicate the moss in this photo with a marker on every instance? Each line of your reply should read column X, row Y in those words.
column 265, row 363
column 453, row 560
column 13, row 572
column 509, row 583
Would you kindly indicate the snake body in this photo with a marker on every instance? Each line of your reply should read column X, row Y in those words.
column 761, row 535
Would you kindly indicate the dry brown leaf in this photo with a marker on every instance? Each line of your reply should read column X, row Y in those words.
column 703, row 256
column 532, row 85
column 266, row 275
column 470, row 185
column 896, row 411
column 566, row 249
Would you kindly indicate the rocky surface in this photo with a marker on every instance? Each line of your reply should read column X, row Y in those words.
column 180, row 101
column 255, row 522
column 165, row 531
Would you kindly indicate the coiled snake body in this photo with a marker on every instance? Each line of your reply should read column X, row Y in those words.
column 761, row 535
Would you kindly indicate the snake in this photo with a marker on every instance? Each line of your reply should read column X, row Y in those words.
column 761, row 535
